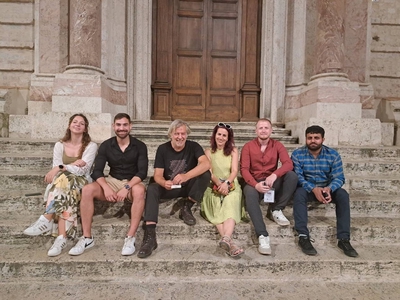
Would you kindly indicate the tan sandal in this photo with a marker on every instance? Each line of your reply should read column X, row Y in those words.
column 234, row 250
column 225, row 243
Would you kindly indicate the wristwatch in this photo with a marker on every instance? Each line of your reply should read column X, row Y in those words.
column 61, row 167
column 228, row 182
column 127, row 186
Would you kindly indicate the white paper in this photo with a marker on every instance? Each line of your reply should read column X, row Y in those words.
column 269, row 197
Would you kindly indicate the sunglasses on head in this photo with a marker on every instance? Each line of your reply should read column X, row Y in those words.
column 227, row 126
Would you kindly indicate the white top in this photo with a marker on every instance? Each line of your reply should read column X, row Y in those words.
column 88, row 157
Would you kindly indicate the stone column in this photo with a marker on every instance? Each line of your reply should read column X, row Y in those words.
column 330, row 99
column 85, row 34
column 139, row 37
column 273, row 59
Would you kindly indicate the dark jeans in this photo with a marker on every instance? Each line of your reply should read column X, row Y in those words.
column 194, row 188
column 284, row 187
column 340, row 197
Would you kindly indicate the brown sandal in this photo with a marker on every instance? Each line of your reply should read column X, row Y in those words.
column 225, row 243
column 234, row 250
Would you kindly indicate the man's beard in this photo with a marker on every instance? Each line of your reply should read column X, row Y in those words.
column 314, row 147
column 122, row 134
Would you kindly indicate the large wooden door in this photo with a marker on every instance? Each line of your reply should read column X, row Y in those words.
column 205, row 56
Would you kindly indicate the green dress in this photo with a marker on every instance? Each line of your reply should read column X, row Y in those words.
column 217, row 209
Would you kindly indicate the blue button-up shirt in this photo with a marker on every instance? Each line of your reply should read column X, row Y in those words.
column 326, row 170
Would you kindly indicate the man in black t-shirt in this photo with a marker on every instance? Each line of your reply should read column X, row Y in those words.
column 181, row 169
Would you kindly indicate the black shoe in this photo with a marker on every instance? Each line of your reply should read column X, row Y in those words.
column 305, row 245
column 186, row 213
column 149, row 243
column 345, row 245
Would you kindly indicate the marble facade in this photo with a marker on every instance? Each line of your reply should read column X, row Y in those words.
column 96, row 56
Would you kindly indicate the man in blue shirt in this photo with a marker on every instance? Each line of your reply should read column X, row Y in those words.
column 320, row 172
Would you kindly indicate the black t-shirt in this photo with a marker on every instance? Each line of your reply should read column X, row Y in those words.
column 175, row 163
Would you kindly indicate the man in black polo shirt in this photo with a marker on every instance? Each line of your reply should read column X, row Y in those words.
column 128, row 162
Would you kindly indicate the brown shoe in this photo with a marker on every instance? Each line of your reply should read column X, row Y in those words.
column 186, row 213
column 149, row 243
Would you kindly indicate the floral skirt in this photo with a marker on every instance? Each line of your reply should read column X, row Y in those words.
column 62, row 198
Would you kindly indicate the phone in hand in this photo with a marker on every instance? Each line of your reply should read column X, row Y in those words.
column 325, row 194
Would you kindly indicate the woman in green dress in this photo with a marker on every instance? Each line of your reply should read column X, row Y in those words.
column 222, row 201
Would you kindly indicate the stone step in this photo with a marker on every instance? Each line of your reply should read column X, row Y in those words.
column 370, row 230
column 194, row 287
column 349, row 153
column 378, row 263
column 42, row 163
column 355, row 185
column 19, row 202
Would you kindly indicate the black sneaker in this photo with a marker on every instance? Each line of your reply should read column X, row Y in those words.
column 305, row 245
column 345, row 245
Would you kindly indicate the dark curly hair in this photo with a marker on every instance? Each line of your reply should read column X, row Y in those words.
column 230, row 143
column 86, row 137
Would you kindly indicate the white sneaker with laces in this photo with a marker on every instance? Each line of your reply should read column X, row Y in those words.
column 42, row 225
column 280, row 218
column 264, row 246
column 58, row 245
column 80, row 247
column 129, row 246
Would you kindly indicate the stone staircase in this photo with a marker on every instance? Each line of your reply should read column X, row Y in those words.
column 188, row 264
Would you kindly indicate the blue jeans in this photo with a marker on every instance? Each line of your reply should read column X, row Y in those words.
column 340, row 197
column 284, row 187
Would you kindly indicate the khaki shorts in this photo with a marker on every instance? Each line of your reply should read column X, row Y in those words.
column 117, row 185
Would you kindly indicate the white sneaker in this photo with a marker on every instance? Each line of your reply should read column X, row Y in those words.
column 42, row 225
column 81, row 246
column 58, row 245
column 279, row 218
column 129, row 246
column 264, row 247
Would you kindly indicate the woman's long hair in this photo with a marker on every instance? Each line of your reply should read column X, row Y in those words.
column 85, row 138
column 230, row 143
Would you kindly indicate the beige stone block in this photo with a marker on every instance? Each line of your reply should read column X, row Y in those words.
column 15, row 79
column 72, row 103
column 385, row 38
column 16, row 36
column 385, row 64
column 16, row 59
column 386, row 12
column 333, row 90
column 368, row 113
column 351, row 132
column 386, row 87
column 20, row 126
column 37, row 107
column 387, row 130
column 53, row 125
column 16, row 12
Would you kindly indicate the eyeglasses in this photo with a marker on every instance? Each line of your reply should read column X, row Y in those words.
column 227, row 126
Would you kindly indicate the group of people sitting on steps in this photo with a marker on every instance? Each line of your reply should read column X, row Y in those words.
column 182, row 169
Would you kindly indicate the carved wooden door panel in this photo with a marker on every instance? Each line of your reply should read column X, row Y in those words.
column 200, row 56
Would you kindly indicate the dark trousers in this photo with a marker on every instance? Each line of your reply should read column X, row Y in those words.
column 284, row 187
column 340, row 197
column 194, row 188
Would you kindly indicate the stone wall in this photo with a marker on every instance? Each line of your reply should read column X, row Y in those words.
column 385, row 48
column 16, row 43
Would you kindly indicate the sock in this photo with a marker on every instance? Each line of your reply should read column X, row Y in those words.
column 151, row 226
